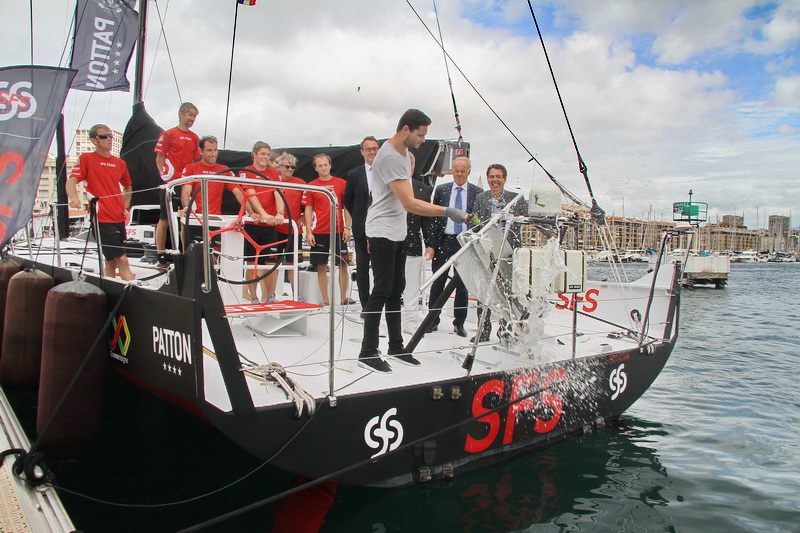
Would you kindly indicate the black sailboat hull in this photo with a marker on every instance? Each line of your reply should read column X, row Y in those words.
column 389, row 437
column 403, row 436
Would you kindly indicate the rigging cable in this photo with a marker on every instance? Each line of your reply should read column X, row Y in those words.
column 169, row 54
column 30, row 11
column 449, row 79
column 69, row 32
column 155, row 52
column 230, row 76
column 597, row 213
column 563, row 189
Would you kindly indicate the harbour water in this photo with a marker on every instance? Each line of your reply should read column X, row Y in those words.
column 712, row 446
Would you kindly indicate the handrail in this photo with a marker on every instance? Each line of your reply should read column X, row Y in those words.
column 207, row 266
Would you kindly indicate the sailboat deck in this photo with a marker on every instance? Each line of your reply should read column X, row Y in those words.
column 306, row 358
column 297, row 340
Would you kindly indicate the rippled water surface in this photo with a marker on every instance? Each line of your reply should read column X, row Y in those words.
column 712, row 446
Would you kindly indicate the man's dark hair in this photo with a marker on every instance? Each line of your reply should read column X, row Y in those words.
column 207, row 139
column 499, row 167
column 369, row 138
column 413, row 118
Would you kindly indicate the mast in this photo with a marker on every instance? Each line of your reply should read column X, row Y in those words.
column 62, row 201
column 140, row 42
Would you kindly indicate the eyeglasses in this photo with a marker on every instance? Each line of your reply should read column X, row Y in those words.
column 289, row 166
column 104, row 136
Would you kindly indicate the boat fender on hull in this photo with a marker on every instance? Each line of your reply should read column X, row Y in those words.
column 73, row 319
column 22, row 335
column 7, row 269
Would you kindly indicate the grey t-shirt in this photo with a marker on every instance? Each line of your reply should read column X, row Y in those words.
column 386, row 217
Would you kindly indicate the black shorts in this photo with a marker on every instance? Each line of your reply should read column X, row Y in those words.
column 261, row 235
column 162, row 202
column 319, row 252
column 112, row 238
column 286, row 249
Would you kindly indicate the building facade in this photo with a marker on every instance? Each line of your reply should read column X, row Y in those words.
column 633, row 234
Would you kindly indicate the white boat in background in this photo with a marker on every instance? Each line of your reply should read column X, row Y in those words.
column 607, row 256
column 752, row 256
column 635, row 256
column 783, row 257
column 699, row 269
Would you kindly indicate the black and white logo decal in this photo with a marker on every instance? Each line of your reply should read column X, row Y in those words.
column 618, row 381
column 383, row 432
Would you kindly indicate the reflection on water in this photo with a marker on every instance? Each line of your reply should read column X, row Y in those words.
column 606, row 478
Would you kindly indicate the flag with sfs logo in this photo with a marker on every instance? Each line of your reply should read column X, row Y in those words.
column 31, row 99
column 102, row 46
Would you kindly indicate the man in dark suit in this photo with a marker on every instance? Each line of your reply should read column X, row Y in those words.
column 357, row 200
column 486, row 205
column 460, row 195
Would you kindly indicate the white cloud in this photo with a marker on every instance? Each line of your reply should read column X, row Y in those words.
column 787, row 92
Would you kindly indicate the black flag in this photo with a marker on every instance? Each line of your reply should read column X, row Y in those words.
column 31, row 99
column 105, row 32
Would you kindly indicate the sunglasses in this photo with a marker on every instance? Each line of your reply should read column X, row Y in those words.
column 104, row 136
column 288, row 166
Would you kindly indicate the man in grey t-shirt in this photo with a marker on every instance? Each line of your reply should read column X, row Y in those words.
column 392, row 197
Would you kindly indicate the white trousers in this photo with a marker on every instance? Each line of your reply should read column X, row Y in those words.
column 412, row 311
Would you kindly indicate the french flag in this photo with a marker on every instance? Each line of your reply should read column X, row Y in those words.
column 247, row 2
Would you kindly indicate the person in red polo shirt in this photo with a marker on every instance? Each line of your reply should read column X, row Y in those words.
column 287, row 163
column 319, row 237
column 207, row 165
column 103, row 174
column 265, row 206
column 176, row 148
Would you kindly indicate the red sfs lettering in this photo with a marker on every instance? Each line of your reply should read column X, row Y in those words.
column 21, row 101
column 18, row 162
column 588, row 301
column 496, row 387
column 5, row 211
column 15, row 159
column 522, row 386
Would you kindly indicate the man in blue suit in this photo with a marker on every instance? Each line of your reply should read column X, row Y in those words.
column 460, row 195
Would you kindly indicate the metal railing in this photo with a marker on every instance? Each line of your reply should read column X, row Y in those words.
column 207, row 261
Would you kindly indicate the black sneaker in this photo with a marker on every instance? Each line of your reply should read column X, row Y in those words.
column 375, row 364
column 406, row 359
column 162, row 262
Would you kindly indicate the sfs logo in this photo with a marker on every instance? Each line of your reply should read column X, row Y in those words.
column 618, row 381
column 16, row 101
column 385, row 428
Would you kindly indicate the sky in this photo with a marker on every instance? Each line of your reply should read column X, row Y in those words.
column 663, row 96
